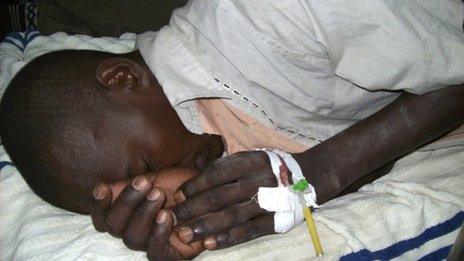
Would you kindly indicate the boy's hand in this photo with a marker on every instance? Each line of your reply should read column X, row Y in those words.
column 164, row 244
column 131, row 215
column 219, row 201
column 134, row 213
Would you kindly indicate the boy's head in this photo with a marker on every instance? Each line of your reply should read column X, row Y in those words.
column 71, row 119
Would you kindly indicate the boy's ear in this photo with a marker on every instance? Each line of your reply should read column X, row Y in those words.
column 119, row 73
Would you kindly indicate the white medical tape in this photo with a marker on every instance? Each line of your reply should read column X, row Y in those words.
column 292, row 165
column 275, row 165
column 286, row 204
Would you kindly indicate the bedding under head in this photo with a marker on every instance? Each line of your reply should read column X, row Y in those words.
column 414, row 212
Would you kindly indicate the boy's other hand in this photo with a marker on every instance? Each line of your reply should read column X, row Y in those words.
column 218, row 204
column 130, row 214
column 134, row 211
column 164, row 243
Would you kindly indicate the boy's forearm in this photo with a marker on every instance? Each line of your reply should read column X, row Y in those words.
column 402, row 126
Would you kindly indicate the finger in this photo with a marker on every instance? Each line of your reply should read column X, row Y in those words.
column 138, row 230
column 258, row 227
column 159, row 247
column 217, row 198
column 223, row 171
column 187, row 251
column 99, row 206
column 219, row 221
column 123, row 208
column 117, row 188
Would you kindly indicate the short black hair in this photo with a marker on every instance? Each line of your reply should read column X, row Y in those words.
column 44, row 107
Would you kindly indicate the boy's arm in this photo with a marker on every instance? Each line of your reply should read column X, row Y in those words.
column 402, row 126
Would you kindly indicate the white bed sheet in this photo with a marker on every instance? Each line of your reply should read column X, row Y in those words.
column 423, row 193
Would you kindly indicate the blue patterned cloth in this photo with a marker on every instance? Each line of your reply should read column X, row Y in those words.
column 397, row 249
column 21, row 39
column 5, row 163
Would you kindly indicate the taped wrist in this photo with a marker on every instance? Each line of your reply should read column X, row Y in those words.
column 287, row 203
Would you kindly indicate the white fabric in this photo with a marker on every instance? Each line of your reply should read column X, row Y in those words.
column 287, row 205
column 292, row 165
column 423, row 190
column 412, row 45
column 280, row 200
column 275, row 165
column 308, row 68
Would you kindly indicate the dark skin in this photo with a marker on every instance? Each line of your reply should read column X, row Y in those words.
column 140, row 133
column 220, row 212
column 144, row 136
column 158, row 189
column 152, row 124
column 154, row 139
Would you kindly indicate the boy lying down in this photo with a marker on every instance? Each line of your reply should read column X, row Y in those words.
column 342, row 97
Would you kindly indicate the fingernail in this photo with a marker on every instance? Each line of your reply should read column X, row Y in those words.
column 140, row 183
column 179, row 196
column 99, row 192
column 210, row 243
column 186, row 234
column 154, row 195
column 174, row 219
column 162, row 216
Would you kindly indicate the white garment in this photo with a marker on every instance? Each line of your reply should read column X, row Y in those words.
column 306, row 68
